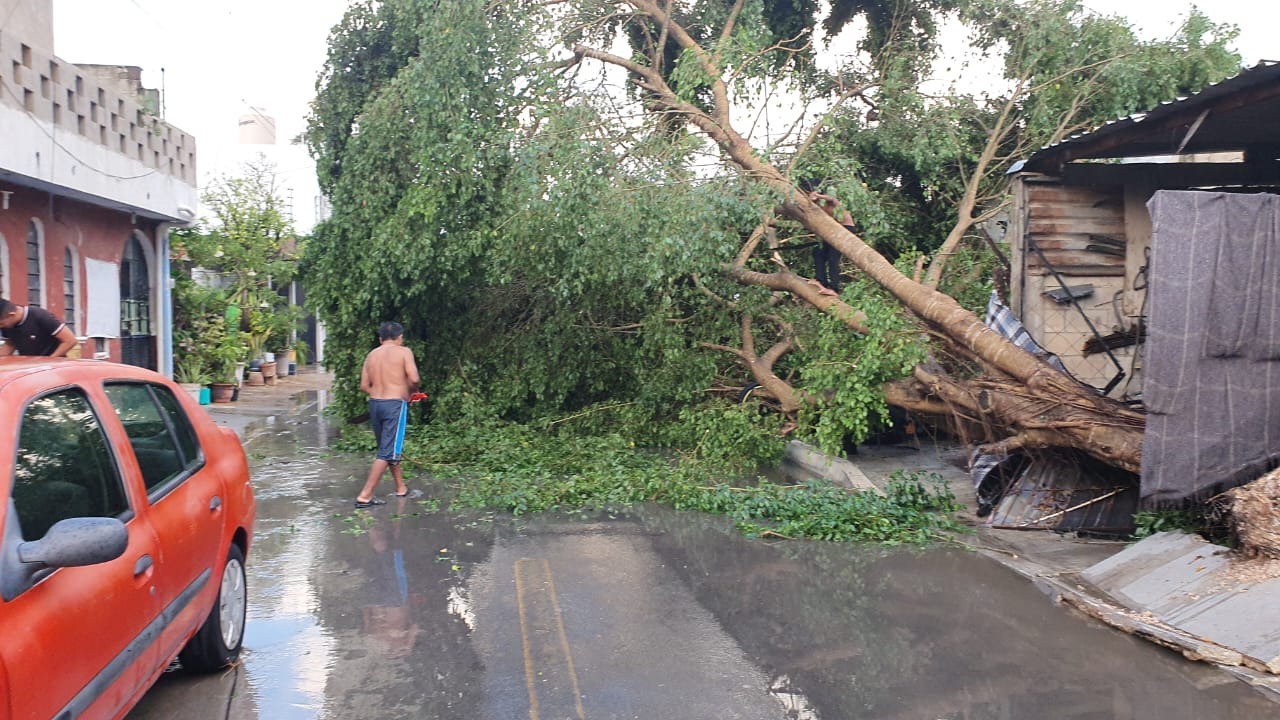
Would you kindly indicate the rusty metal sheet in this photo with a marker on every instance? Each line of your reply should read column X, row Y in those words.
column 1112, row 225
column 1242, row 113
column 1072, row 194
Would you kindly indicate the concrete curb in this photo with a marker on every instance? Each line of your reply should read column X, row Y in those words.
column 802, row 462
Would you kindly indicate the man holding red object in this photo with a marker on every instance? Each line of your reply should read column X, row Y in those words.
column 390, row 379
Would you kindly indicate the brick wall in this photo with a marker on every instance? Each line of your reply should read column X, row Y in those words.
column 87, row 230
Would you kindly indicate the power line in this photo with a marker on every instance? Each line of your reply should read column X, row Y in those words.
column 52, row 138
column 146, row 12
column 270, row 121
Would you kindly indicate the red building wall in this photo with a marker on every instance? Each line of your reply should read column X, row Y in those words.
column 88, row 230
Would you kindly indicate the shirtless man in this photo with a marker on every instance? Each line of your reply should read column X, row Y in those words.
column 389, row 377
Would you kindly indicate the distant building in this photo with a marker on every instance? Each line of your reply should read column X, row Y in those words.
column 296, row 178
column 257, row 129
column 91, row 181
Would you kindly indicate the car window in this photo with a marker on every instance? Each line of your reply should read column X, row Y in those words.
column 161, row 435
column 181, row 426
column 64, row 468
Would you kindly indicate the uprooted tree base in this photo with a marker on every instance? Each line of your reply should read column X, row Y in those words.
column 1253, row 511
column 1003, row 416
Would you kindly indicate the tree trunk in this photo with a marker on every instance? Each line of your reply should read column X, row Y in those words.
column 1043, row 408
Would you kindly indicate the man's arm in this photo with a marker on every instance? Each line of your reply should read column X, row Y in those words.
column 830, row 203
column 411, row 370
column 7, row 349
column 66, row 340
column 366, row 380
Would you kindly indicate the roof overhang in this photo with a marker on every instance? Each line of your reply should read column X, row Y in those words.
column 178, row 217
column 1239, row 114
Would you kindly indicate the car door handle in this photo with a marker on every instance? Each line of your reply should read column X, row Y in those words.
column 215, row 503
column 143, row 565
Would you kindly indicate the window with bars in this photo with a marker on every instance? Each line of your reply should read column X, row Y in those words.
column 69, row 288
column 34, row 276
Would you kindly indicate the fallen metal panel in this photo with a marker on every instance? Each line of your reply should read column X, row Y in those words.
column 1068, row 493
column 1190, row 585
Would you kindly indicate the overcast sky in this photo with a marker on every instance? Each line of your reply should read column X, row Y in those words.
column 224, row 58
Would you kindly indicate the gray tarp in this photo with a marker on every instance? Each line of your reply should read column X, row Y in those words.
column 1211, row 383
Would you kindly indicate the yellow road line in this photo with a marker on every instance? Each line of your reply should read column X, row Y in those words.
column 526, row 572
column 564, row 642
column 524, row 635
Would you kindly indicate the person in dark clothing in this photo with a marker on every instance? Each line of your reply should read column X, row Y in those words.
column 826, row 259
column 30, row 330
column 826, row 266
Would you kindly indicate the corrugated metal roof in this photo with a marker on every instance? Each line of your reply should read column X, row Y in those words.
column 1240, row 112
column 1069, row 493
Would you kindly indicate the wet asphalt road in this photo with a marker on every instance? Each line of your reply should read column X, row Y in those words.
column 411, row 611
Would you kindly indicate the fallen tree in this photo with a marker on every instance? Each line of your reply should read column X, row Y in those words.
column 562, row 251
column 1017, row 398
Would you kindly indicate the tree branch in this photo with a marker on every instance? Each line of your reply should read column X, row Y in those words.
column 727, row 31
column 749, row 247
column 719, row 92
column 788, row 281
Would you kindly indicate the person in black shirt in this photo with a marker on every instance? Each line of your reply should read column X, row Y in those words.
column 30, row 330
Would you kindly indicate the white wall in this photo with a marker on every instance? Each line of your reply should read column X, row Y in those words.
column 37, row 150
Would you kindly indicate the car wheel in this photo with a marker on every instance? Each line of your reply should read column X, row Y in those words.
column 217, row 643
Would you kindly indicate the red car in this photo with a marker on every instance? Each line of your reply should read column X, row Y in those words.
column 124, row 526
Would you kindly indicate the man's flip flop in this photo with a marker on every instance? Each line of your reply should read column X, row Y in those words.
column 406, row 493
column 370, row 502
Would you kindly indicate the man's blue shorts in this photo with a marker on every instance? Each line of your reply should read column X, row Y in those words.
column 388, row 419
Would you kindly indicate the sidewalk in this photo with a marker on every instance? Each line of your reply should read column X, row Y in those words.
column 290, row 395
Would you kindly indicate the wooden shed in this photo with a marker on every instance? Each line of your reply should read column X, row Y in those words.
column 1079, row 228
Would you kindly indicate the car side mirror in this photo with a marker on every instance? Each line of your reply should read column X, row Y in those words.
column 77, row 541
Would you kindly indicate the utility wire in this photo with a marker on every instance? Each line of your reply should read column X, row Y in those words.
column 150, row 17
column 52, row 138
column 265, row 119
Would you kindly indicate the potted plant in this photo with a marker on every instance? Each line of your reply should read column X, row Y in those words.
column 190, row 374
column 300, row 350
column 227, row 350
column 281, row 326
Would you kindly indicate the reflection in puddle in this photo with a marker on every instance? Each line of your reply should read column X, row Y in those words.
column 292, row 654
column 289, row 660
column 792, row 700
column 460, row 605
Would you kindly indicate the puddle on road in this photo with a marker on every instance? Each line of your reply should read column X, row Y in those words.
column 870, row 632
column 406, row 611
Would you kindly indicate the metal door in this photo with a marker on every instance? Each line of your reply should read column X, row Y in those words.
column 137, row 346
